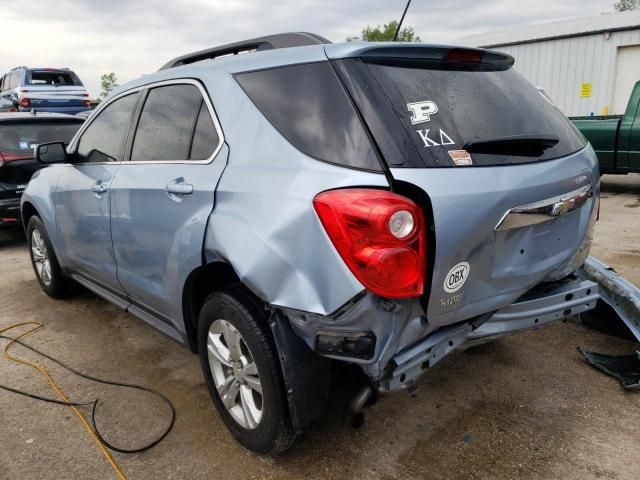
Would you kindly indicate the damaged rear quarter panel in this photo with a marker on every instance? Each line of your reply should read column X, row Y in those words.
column 264, row 223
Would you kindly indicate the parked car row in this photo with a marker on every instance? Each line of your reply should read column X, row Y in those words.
column 52, row 96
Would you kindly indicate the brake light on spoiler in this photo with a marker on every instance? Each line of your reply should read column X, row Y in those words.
column 380, row 236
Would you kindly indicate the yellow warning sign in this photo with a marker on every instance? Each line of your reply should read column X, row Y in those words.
column 585, row 89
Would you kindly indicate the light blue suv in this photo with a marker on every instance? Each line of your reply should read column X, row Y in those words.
column 305, row 204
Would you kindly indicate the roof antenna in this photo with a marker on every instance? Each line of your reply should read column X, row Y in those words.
column 395, row 36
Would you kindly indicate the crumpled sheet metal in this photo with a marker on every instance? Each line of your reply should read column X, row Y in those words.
column 625, row 368
column 616, row 291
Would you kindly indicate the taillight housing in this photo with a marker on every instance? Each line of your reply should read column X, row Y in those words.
column 86, row 103
column 380, row 236
column 25, row 102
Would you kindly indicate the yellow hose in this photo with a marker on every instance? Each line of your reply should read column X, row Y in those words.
column 56, row 388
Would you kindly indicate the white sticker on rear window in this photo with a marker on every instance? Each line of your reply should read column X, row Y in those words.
column 432, row 141
column 422, row 111
column 456, row 277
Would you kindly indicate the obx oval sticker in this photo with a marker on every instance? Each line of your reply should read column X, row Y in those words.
column 456, row 277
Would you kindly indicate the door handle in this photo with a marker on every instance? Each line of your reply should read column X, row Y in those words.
column 99, row 188
column 179, row 188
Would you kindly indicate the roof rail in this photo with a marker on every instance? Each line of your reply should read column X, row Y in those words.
column 280, row 40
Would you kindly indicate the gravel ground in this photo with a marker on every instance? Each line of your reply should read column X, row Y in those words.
column 525, row 406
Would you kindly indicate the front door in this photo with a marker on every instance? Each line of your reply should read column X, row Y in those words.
column 82, row 196
column 162, row 198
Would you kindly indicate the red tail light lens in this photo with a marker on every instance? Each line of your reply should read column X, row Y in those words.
column 10, row 156
column 86, row 103
column 380, row 236
column 25, row 102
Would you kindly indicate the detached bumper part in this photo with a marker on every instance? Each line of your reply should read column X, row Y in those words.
column 616, row 291
column 625, row 368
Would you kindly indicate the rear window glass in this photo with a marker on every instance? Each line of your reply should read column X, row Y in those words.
column 308, row 106
column 18, row 140
column 444, row 110
column 52, row 77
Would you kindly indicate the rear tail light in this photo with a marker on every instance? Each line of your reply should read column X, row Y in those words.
column 25, row 102
column 86, row 103
column 380, row 236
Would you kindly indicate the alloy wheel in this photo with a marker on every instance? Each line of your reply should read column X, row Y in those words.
column 235, row 374
column 40, row 257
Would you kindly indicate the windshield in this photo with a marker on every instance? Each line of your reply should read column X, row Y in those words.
column 18, row 140
column 442, row 110
column 53, row 77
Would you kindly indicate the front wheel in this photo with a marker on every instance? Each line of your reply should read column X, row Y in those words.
column 242, row 371
column 43, row 259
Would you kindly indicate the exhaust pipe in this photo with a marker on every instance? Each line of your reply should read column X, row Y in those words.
column 365, row 395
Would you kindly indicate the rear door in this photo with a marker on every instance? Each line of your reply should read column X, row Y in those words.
column 82, row 196
column 509, row 180
column 162, row 198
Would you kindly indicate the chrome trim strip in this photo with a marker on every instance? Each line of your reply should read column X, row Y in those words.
column 544, row 210
column 178, row 81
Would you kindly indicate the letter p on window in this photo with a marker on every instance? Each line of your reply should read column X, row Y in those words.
column 422, row 111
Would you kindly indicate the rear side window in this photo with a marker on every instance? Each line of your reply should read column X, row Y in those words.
column 58, row 78
column 442, row 110
column 308, row 106
column 205, row 136
column 104, row 138
column 174, row 117
column 14, row 79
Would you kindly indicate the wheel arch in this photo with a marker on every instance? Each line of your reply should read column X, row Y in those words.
column 200, row 283
column 27, row 210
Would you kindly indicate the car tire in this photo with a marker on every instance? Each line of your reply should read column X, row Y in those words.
column 44, row 261
column 236, row 349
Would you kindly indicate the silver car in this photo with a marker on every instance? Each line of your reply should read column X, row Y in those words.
column 305, row 204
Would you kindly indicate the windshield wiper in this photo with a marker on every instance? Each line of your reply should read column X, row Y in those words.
column 517, row 145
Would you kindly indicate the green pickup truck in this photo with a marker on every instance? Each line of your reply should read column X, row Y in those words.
column 615, row 138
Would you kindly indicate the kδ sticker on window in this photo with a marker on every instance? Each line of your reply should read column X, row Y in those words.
column 460, row 157
column 24, row 145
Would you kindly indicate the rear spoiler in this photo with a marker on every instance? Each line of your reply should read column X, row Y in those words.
column 392, row 51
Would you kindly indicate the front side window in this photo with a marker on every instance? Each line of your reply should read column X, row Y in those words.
column 104, row 139
column 175, row 124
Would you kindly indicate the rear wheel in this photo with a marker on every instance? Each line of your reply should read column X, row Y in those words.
column 242, row 371
column 43, row 259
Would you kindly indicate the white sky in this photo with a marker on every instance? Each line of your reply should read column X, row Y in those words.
column 135, row 37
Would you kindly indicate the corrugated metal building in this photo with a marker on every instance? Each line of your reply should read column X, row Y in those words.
column 587, row 65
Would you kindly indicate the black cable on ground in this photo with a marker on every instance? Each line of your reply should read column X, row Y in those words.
column 94, row 404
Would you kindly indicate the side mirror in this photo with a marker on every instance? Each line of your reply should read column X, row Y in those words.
column 47, row 153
